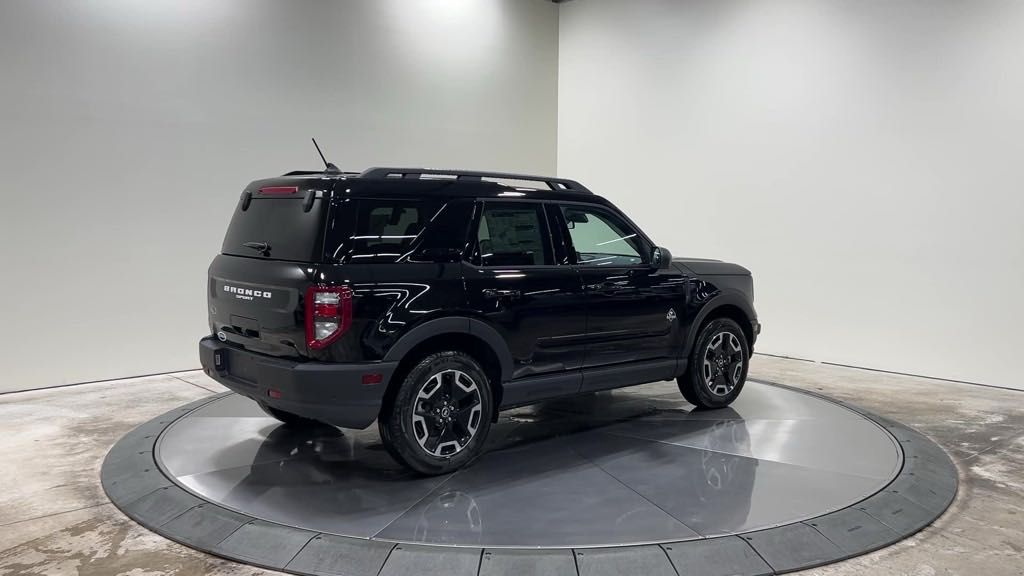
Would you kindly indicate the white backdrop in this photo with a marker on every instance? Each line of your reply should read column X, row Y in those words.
column 861, row 157
column 129, row 129
column 864, row 159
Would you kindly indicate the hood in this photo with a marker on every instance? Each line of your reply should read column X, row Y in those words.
column 708, row 267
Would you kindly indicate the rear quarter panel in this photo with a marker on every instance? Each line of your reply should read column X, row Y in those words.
column 400, row 297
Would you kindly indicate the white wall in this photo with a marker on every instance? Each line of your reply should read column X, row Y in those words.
column 128, row 129
column 864, row 158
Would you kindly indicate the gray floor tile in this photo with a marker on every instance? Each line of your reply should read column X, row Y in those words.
column 328, row 555
column 265, row 544
column 411, row 560
column 631, row 561
column 793, row 547
column 726, row 556
column 501, row 562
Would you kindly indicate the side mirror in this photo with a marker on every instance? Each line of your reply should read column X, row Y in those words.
column 661, row 258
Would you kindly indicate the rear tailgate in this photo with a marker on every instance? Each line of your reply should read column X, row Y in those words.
column 258, row 303
column 271, row 254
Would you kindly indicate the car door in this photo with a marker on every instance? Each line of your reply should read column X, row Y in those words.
column 515, row 283
column 633, row 308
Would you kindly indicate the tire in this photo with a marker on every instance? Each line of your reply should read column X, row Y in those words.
column 288, row 418
column 437, row 419
column 713, row 379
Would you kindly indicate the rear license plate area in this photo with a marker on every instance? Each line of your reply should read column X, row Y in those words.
column 242, row 367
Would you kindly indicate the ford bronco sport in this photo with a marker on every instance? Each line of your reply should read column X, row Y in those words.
column 429, row 300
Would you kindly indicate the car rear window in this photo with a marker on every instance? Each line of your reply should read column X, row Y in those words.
column 282, row 225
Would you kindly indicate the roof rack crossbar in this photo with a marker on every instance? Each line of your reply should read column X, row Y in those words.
column 415, row 173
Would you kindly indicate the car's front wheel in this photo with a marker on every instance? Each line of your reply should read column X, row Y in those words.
column 438, row 418
column 717, row 367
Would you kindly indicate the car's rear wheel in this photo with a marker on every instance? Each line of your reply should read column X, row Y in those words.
column 718, row 364
column 288, row 418
column 438, row 418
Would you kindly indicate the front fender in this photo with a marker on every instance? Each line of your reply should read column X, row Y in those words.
column 732, row 298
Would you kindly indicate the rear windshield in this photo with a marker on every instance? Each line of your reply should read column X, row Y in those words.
column 276, row 229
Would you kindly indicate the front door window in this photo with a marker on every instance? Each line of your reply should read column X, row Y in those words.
column 602, row 239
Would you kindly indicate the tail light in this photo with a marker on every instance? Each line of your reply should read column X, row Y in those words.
column 328, row 314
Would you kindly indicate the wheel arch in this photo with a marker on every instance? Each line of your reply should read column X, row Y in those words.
column 469, row 335
column 726, row 305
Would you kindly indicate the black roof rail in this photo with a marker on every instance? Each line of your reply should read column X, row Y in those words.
column 559, row 184
column 311, row 172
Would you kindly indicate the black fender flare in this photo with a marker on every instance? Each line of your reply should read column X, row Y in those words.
column 454, row 325
column 725, row 298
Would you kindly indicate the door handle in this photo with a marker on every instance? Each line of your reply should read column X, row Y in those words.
column 497, row 294
column 607, row 287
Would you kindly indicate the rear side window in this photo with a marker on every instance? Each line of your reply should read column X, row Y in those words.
column 513, row 234
column 447, row 231
column 276, row 229
column 387, row 229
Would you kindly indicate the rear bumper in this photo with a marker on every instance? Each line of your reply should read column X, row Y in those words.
column 331, row 393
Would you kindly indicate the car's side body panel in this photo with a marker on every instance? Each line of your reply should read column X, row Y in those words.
column 539, row 311
column 633, row 313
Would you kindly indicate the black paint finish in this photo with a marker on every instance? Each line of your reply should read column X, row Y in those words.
column 556, row 320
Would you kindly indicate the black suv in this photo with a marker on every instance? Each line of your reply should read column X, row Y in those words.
column 429, row 300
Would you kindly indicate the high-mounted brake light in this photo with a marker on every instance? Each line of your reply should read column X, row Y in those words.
column 279, row 190
column 328, row 314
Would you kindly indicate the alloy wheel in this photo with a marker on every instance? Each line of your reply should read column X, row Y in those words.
column 723, row 363
column 446, row 413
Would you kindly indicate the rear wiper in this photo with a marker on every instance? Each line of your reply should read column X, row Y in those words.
column 262, row 247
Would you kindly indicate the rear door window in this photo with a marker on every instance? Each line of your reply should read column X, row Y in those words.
column 513, row 234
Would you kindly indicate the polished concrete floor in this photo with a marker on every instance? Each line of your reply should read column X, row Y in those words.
column 55, row 519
